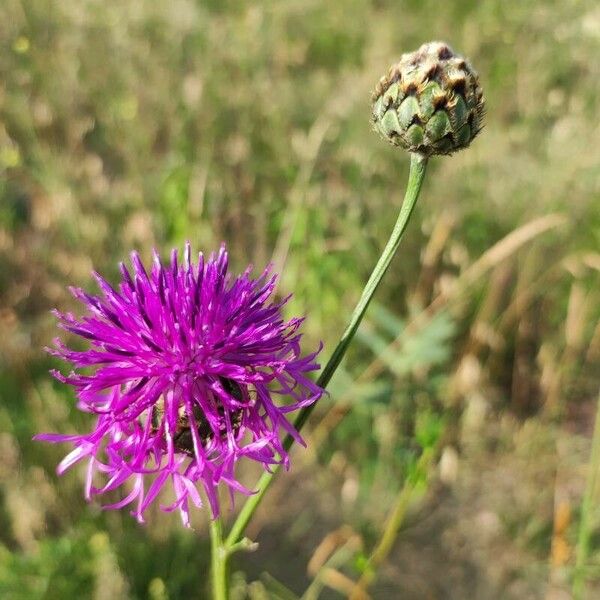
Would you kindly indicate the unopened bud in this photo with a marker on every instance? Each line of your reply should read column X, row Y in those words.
column 430, row 102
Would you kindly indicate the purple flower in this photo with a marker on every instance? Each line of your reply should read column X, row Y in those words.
column 183, row 371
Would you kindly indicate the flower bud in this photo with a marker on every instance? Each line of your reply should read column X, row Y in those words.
column 430, row 102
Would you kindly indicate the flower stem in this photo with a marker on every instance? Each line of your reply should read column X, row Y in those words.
column 416, row 175
column 218, row 558
column 583, row 541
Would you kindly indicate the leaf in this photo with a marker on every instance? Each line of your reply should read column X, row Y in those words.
column 422, row 348
column 276, row 589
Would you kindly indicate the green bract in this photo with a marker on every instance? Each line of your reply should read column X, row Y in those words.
column 430, row 102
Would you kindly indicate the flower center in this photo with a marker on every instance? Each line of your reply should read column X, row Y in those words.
column 183, row 438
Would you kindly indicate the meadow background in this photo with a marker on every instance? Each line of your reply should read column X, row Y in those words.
column 471, row 391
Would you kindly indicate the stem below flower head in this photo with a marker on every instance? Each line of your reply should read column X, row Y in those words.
column 416, row 175
column 218, row 561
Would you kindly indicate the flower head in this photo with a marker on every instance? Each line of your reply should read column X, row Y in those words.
column 430, row 102
column 183, row 370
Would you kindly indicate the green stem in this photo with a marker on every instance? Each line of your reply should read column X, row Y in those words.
column 416, row 175
column 583, row 539
column 218, row 558
column 391, row 528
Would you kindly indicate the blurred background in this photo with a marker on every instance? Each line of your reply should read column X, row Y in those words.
column 468, row 399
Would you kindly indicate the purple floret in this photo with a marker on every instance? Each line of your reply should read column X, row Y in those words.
column 188, row 370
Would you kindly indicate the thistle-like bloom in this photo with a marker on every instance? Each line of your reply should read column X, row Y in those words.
column 182, row 374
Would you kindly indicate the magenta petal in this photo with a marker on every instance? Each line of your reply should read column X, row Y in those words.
column 128, row 499
column 74, row 456
column 55, row 438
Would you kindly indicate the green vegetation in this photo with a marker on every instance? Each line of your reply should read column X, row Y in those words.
column 143, row 124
